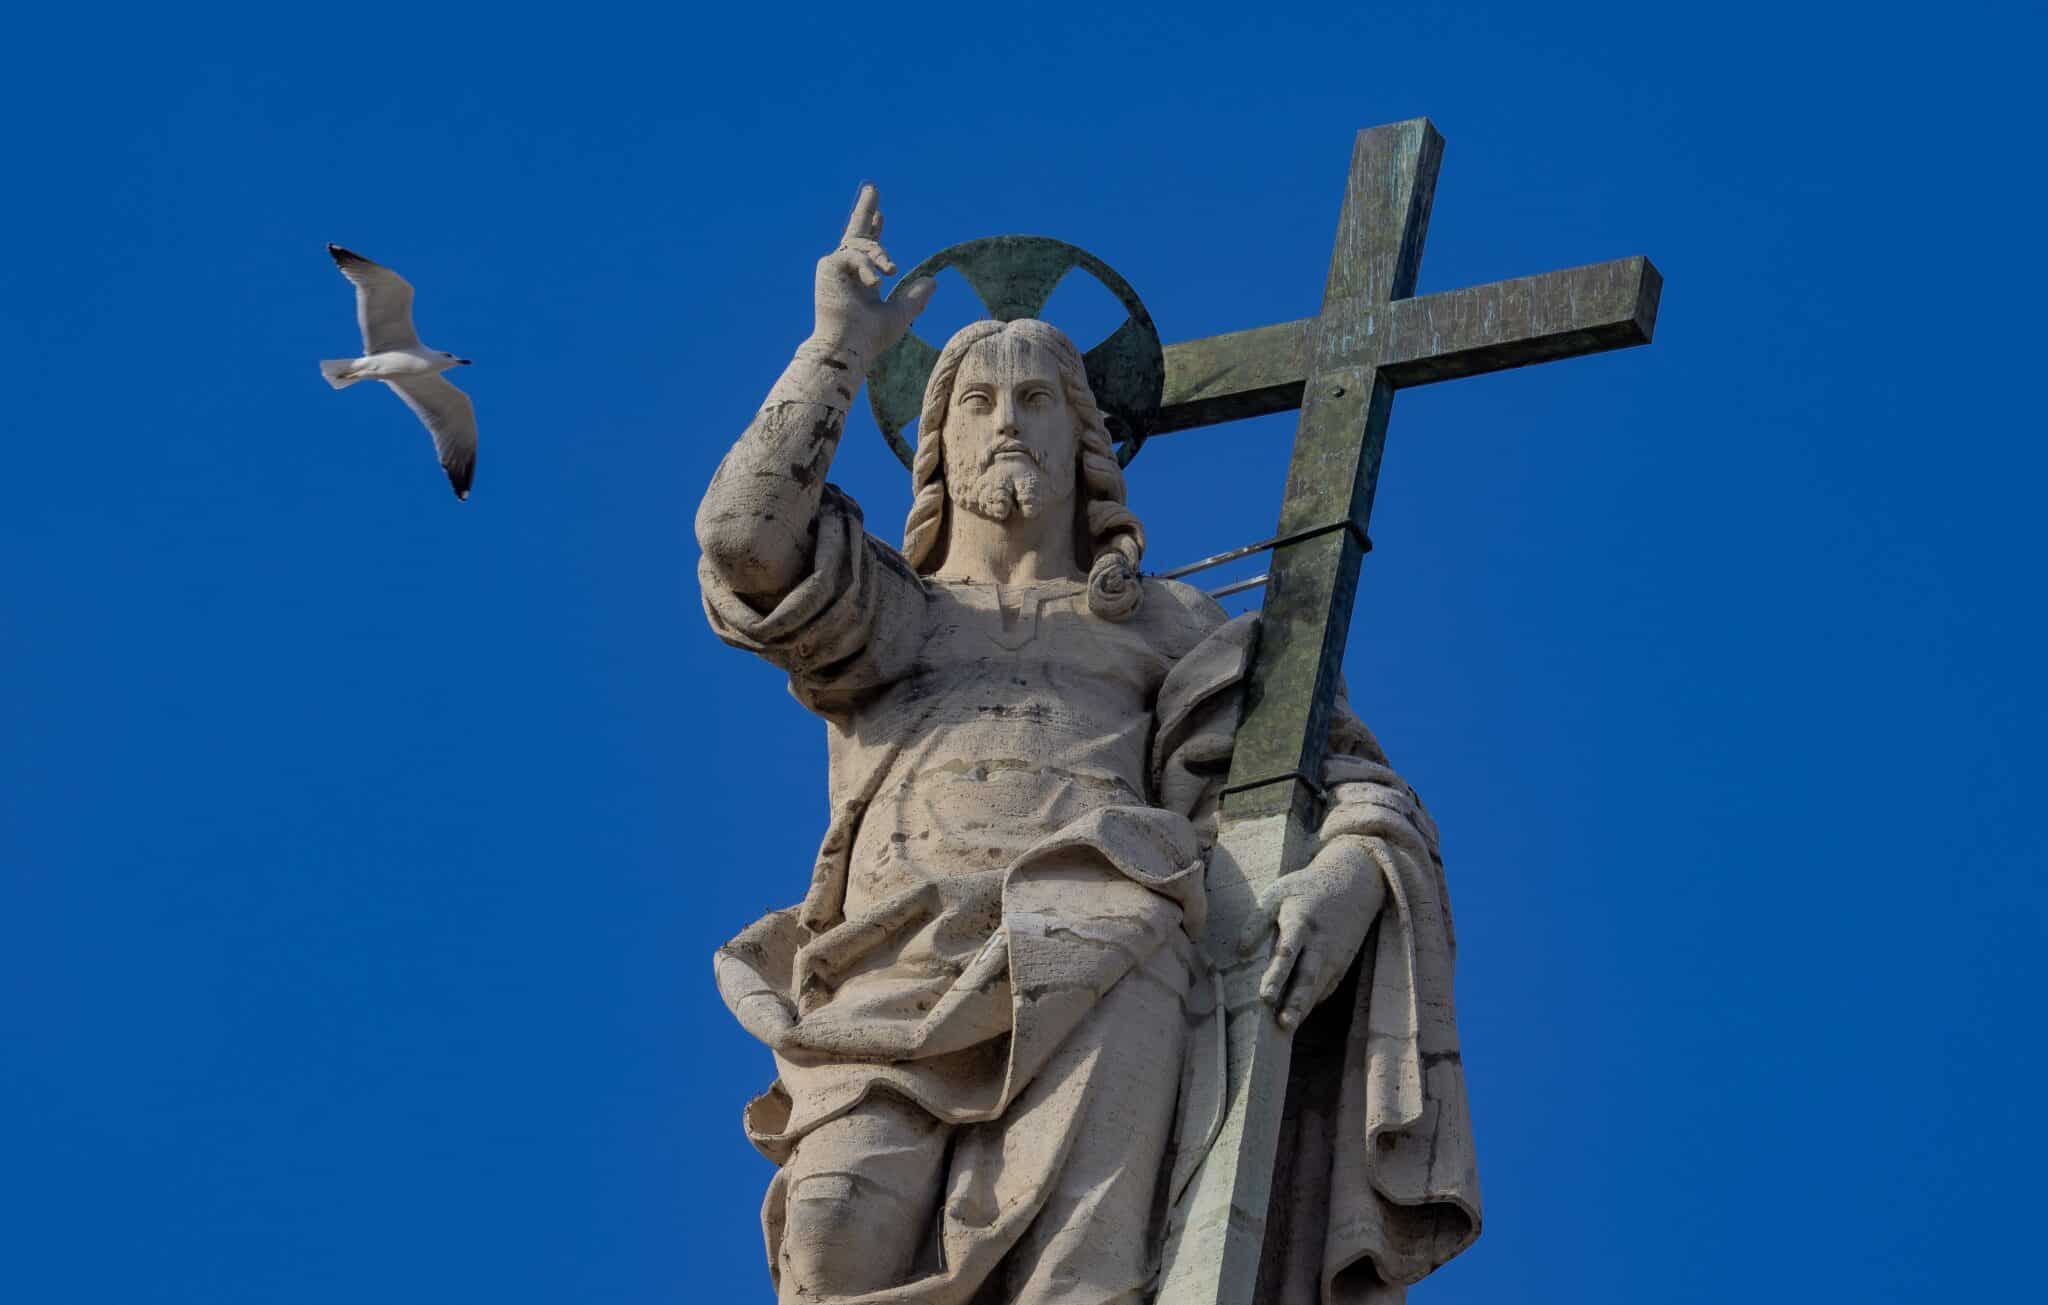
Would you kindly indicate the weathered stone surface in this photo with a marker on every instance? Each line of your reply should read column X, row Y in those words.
column 1001, row 1016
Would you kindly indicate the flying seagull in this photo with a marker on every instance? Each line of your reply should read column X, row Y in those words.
column 393, row 354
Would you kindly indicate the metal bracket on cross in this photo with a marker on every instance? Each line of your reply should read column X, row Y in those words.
column 1014, row 276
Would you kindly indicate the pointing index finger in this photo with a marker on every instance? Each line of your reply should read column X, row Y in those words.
column 866, row 219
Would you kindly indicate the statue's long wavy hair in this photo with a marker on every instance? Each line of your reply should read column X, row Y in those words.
column 1108, row 536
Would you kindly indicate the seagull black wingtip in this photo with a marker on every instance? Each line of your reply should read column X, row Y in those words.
column 344, row 256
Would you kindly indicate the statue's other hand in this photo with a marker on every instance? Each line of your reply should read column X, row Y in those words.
column 1318, row 916
column 851, row 313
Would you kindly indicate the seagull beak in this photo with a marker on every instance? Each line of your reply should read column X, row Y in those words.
column 463, row 362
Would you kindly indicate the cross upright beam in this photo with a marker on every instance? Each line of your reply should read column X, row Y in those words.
column 1341, row 369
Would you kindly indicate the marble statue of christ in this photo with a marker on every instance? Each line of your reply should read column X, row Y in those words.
column 996, row 1037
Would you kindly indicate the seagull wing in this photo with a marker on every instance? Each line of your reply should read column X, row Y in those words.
column 451, row 418
column 383, row 302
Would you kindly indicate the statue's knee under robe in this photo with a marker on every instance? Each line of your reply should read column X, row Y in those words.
column 861, row 1194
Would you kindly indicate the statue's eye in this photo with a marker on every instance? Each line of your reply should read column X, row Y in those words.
column 1038, row 398
column 975, row 401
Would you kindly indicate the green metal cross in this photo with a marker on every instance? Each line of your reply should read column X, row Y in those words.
column 1341, row 369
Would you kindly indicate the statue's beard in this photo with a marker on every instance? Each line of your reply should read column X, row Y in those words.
column 1005, row 486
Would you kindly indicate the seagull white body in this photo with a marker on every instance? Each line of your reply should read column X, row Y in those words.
column 395, row 363
column 393, row 354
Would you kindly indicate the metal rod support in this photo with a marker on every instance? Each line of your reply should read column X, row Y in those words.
column 1277, row 541
column 1239, row 586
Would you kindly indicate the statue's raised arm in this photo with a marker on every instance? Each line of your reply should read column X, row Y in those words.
column 756, row 523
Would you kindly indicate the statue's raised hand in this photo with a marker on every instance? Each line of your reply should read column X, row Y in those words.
column 852, row 314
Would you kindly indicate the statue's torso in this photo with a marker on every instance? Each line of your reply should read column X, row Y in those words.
column 1021, row 712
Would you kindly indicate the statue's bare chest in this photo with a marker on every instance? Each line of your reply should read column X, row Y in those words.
column 1033, row 652
column 1023, row 711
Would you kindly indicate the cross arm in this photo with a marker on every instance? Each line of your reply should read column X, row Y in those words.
column 1437, row 337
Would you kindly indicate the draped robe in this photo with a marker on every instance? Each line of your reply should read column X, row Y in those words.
column 1022, row 797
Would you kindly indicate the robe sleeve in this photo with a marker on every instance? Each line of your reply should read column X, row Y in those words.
column 853, row 625
column 1403, row 1188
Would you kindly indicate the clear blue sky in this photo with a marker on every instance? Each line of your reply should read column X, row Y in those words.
column 364, row 851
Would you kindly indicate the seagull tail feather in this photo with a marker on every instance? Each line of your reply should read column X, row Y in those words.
column 337, row 371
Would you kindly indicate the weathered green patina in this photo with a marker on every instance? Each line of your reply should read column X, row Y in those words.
column 1014, row 276
column 1438, row 337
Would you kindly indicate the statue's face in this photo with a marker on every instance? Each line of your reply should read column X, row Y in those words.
column 1011, row 441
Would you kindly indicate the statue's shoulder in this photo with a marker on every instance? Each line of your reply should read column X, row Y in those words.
column 1180, row 615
